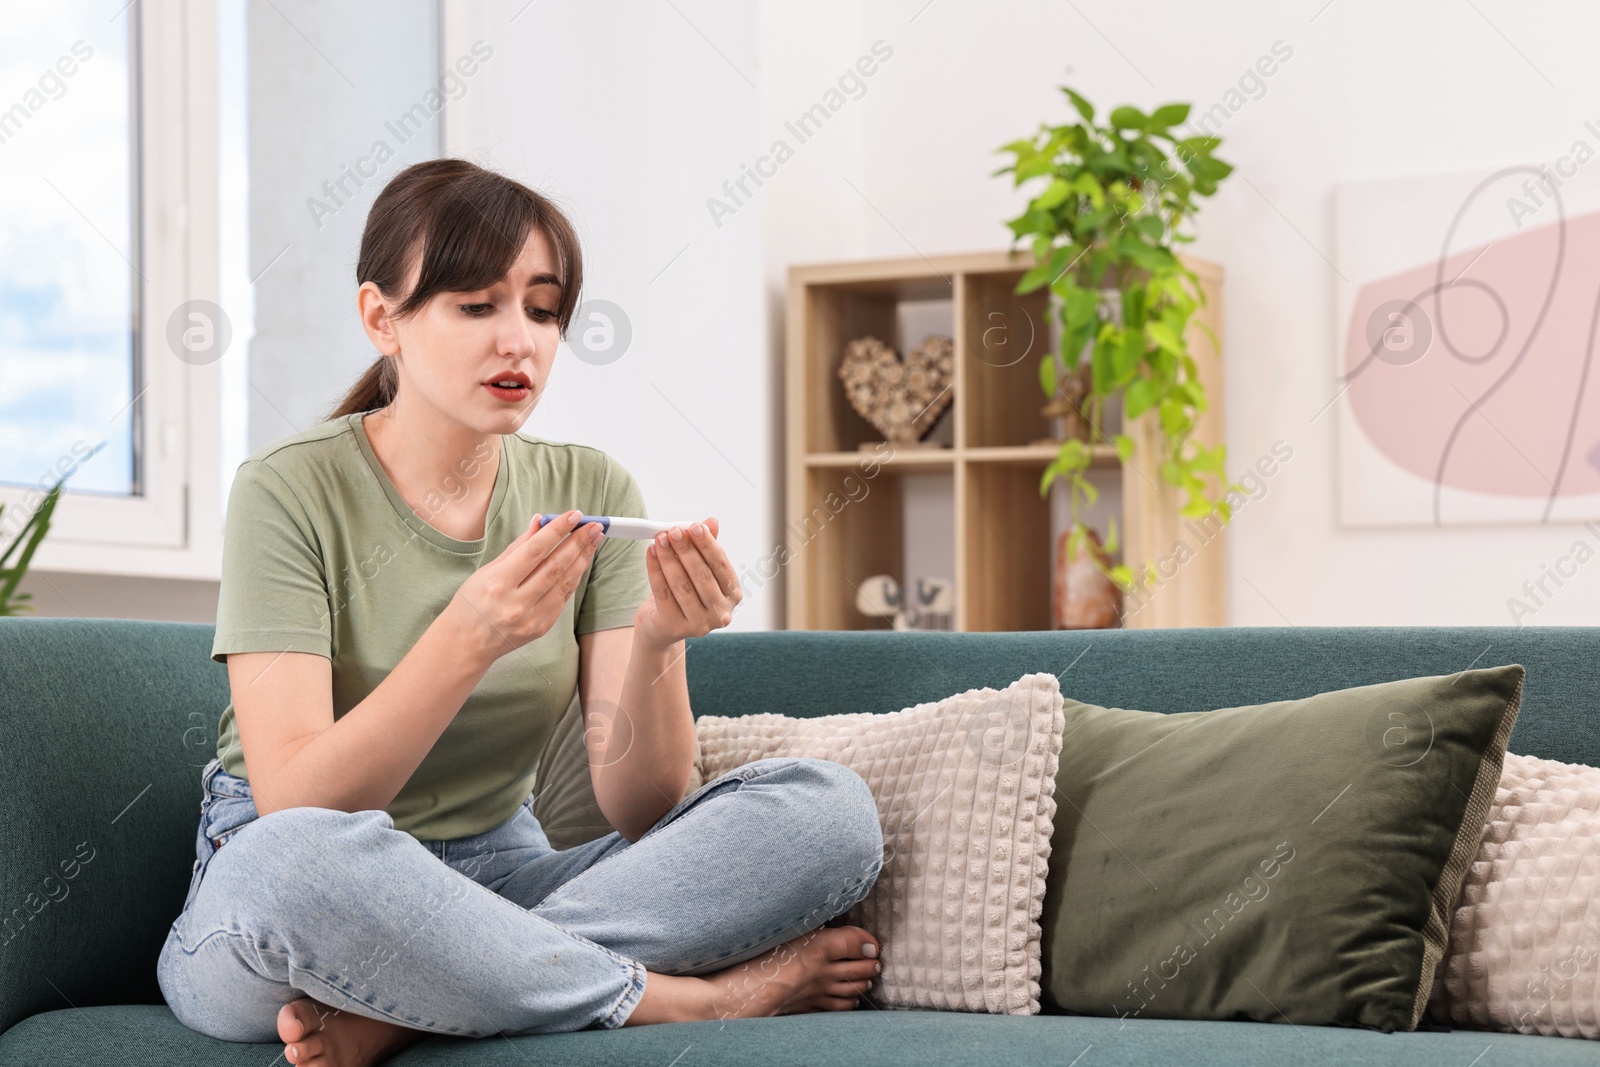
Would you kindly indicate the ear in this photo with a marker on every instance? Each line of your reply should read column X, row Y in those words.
column 373, row 307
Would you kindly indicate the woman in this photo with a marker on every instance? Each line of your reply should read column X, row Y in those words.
column 400, row 639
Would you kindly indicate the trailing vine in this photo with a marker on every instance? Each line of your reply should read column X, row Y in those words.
column 1103, row 232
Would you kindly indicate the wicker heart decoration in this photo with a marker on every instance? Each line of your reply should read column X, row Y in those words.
column 902, row 398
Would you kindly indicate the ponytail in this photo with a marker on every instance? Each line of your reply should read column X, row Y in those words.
column 375, row 389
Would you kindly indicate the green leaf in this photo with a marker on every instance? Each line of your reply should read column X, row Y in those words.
column 1162, row 335
column 1139, row 398
column 1124, row 443
column 1086, row 185
column 1102, row 363
column 1170, row 114
column 1174, row 420
column 1128, row 117
column 1200, row 145
column 1057, row 191
column 1079, row 308
column 1047, row 374
column 1085, row 108
column 1129, row 354
column 1035, row 278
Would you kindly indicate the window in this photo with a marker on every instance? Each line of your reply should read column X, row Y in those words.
column 108, row 278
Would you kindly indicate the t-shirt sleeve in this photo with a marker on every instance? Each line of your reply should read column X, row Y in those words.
column 617, row 582
column 274, row 593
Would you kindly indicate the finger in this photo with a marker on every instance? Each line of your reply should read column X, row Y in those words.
column 691, row 555
column 658, row 580
column 544, row 533
column 553, row 583
column 716, row 558
column 574, row 551
column 689, row 601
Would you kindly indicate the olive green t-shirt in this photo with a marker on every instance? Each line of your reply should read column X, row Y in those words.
column 321, row 554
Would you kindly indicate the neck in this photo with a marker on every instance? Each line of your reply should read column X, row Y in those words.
column 430, row 459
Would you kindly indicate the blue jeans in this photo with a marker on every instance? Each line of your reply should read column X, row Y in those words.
column 499, row 932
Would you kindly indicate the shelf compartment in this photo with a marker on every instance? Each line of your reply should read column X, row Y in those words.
column 834, row 313
column 843, row 528
column 1006, row 551
column 1003, row 337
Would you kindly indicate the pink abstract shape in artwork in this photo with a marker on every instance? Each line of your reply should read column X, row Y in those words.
column 1475, row 371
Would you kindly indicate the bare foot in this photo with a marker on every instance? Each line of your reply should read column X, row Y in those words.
column 826, row 969
column 316, row 1035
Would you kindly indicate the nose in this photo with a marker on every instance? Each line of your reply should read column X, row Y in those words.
column 517, row 341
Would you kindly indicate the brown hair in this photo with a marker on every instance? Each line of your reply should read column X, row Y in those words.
column 470, row 225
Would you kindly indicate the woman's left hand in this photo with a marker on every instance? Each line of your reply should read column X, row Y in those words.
column 694, row 585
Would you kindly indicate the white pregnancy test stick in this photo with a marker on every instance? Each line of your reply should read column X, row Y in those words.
column 628, row 529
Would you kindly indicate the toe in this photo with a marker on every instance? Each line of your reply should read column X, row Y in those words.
column 855, row 943
column 290, row 1025
column 864, row 969
column 304, row 1052
column 866, row 945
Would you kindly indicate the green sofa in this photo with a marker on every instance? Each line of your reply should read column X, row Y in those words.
column 105, row 724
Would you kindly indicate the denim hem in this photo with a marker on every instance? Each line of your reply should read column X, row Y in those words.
column 630, row 996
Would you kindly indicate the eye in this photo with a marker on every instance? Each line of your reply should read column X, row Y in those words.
column 541, row 314
column 476, row 310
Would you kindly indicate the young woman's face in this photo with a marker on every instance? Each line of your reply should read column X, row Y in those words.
column 457, row 344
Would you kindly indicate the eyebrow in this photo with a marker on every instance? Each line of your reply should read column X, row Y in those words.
column 544, row 279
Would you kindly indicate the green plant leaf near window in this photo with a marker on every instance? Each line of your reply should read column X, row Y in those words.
column 28, row 538
column 1110, row 217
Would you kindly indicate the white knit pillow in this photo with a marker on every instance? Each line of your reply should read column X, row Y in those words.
column 965, row 789
column 1524, row 948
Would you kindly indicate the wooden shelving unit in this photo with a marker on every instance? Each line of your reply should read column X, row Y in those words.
column 844, row 503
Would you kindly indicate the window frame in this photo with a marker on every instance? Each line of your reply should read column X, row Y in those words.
column 173, row 528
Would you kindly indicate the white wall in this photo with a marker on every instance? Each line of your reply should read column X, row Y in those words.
column 630, row 118
column 1370, row 90
column 634, row 113
column 328, row 86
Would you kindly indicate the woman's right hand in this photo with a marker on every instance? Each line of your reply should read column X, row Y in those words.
column 516, row 597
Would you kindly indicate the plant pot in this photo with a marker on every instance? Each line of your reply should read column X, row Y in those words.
column 1085, row 599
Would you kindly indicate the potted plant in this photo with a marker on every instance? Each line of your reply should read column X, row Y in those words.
column 1103, row 232
column 33, row 531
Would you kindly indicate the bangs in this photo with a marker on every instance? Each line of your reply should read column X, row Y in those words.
column 477, row 229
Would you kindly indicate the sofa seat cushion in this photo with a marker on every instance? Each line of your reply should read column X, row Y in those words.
column 151, row 1036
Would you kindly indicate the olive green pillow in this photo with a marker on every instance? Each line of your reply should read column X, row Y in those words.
column 1296, row 861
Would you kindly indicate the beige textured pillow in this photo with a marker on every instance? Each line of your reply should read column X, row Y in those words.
column 563, row 793
column 1524, row 948
column 965, row 788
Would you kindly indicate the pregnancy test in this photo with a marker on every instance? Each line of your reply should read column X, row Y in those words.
column 629, row 529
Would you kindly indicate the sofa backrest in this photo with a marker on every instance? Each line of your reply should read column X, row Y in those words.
column 105, row 725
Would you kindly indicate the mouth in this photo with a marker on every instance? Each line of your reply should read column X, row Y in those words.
column 512, row 386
